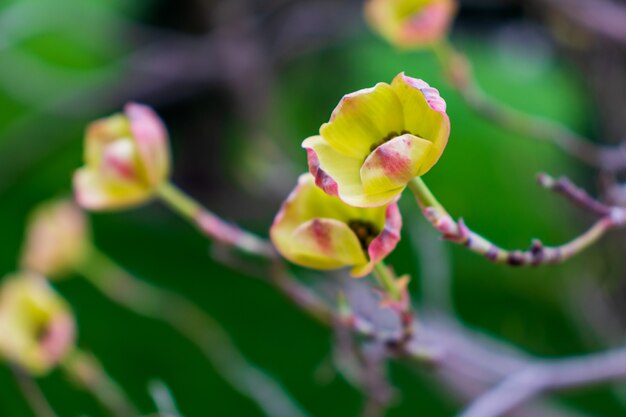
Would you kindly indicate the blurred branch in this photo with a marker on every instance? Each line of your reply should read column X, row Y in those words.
column 460, row 353
column 540, row 377
column 603, row 17
column 200, row 328
column 538, row 254
column 458, row 70
column 163, row 399
column 168, row 67
column 471, row 362
column 33, row 394
column 87, row 371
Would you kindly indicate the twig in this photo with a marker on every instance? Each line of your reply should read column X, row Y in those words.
column 212, row 226
column 33, row 394
column 87, row 371
column 458, row 71
column 538, row 254
column 163, row 399
column 549, row 376
column 200, row 328
column 563, row 186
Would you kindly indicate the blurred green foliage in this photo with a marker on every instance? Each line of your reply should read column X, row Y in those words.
column 486, row 175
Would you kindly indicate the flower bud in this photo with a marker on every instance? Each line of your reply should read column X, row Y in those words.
column 126, row 160
column 36, row 324
column 56, row 239
column 319, row 231
column 411, row 24
column 377, row 140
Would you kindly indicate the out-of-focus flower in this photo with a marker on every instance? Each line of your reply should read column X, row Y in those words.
column 36, row 325
column 377, row 140
column 126, row 160
column 319, row 231
column 411, row 23
column 56, row 239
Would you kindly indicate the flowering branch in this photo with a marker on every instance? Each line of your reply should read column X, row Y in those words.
column 201, row 329
column 459, row 73
column 547, row 376
column 538, row 254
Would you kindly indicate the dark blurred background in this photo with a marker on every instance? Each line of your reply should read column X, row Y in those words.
column 240, row 83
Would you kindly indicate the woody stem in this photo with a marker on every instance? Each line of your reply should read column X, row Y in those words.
column 213, row 226
column 457, row 232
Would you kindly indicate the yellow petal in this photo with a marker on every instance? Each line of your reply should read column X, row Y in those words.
column 393, row 164
column 363, row 119
column 102, row 132
column 325, row 244
column 425, row 115
column 411, row 23
column 312, row 228
column 339, row 175
column 151, row 139
column 94, row 192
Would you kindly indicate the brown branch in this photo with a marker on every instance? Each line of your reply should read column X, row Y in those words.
column 548, row 376
column 457, row 231
column 33, row 394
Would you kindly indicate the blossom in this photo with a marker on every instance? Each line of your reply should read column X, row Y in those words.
column 377, row 140
column 56, row 239
column 126, row 160
column 36, row 324
column 411, row 23
column 319, row 231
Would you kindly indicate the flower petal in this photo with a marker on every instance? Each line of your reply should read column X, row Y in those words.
column 94, row 192
column 425, row 115
column 102, row 132
column 312, row 228
column 152, row 141
column 392, row 165
column 363, row 119
column 325, row 244
column 384, row 243
column 427, row 26
column 411, row 23
column 339, row 175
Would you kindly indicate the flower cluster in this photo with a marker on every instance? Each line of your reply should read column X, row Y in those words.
column 377, row 140
column 343, row 213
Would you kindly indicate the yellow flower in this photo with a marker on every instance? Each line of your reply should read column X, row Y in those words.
column 36, row 324
column 56, row 239
column 127, row 159
column 377, row 140
column 411, row 24
column 319, row 231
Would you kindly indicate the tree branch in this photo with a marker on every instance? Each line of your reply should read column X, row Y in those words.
column 538, row 254
column 547, row 376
